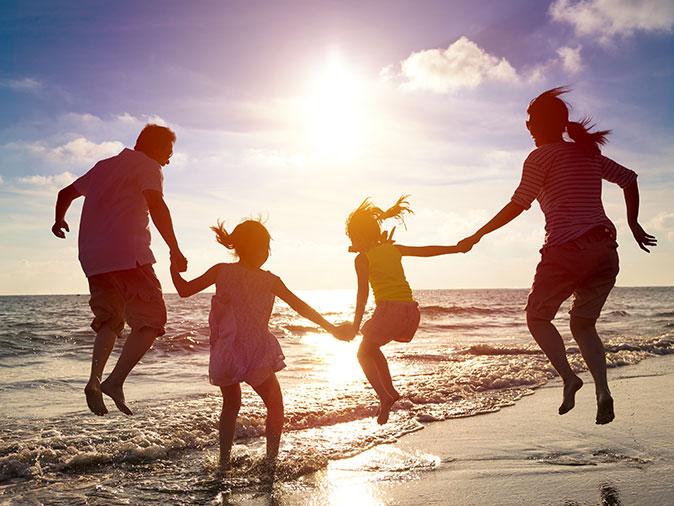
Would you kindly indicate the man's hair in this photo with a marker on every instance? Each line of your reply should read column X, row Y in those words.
column 153, row 137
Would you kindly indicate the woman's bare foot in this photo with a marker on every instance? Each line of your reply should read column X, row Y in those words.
column 95, row 398
column 571, row 386
column 605, row 412
column 385, row 406
column 116, row 393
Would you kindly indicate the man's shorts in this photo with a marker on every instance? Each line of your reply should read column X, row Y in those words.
column 585, row 268
column 392, row 321
column 133, row 296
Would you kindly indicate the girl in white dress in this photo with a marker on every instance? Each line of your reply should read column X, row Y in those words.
column 242, row 347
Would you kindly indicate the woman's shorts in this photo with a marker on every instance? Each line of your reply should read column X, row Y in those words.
column 392, row 321
column 585, row 268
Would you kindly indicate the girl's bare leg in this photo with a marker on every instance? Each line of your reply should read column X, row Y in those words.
column 231, row 403
column 376, row 371
column 270, row 392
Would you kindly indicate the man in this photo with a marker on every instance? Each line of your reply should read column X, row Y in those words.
column 114, row 251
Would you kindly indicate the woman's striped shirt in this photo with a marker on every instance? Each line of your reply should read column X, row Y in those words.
column 566, row 181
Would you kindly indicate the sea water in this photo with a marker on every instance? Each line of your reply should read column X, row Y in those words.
column 472, row 355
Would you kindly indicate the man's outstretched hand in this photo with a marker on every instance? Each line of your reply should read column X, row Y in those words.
column 58, row 228
column 344, row 332
column 178, row 261
column 643, row 239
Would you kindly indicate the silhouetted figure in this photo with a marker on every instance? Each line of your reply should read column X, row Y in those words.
column 579, row 256
column 396, row 316
column 115, row 254
column 242, row 347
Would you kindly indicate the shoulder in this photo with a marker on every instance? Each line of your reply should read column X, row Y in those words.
column 361, row 260
column 543, row 155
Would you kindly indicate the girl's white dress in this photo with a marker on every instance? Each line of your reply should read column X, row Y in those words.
column 242, row 347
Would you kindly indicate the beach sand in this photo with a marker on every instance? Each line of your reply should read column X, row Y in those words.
column 524, row 454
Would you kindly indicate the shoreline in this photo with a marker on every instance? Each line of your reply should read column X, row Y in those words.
column 522, row 454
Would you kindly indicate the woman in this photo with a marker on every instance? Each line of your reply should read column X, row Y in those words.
column 579, row 255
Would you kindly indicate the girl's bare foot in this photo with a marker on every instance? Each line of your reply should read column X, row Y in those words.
column 571, row 386
column 605, row 412
column 116, row 393
column 95, row 398
column 385, row 406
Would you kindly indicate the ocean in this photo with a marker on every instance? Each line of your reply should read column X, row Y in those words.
column 472, row 355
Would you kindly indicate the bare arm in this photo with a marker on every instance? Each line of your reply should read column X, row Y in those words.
column 428, row 251
column 363, row 273
column 643, row 239
column 509, row 212
column 161, row 217
column 187, row 288
column 302, row 308
column 63, row 201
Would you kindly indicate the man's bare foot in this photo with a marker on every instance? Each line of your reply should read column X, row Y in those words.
column 385, row 406
column 95, row 398
column 116, row 393
column 571, row 386
column 605, row 412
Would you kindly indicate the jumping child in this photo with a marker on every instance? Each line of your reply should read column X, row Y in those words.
column 242, row 347
column 396, row 316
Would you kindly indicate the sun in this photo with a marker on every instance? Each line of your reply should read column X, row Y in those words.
column 335, row 112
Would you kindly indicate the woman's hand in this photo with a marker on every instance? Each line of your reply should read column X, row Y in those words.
column 643, row 239
column 344, row 332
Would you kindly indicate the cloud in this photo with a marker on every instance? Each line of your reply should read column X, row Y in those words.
column 463, row 64
column 607, row 19
column 60, row 180
column 664, row 224
column 78, row 151
column 26, row 84
column 570, row 59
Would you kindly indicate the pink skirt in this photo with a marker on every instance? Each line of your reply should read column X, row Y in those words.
column 392, row 321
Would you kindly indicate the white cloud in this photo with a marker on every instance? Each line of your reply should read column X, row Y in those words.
column 663, row 223
column 78, row 151
column 26, row 84
column 60, row 180
column 463, row 64
column 570, row 58
column 607, row 19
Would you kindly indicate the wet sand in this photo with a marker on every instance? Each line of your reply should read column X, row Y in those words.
column 523, row 454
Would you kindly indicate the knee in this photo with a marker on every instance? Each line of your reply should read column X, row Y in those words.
column 364, row 352
column 231, row 405
column 579, row 325
column 536, row 322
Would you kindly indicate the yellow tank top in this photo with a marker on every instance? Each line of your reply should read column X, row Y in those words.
column 387, row 277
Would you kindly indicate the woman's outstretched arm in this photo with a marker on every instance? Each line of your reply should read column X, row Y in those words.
column 509, row 212
column 186, row 288
column 643, row 239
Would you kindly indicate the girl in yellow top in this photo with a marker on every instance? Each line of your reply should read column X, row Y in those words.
column 396, row 316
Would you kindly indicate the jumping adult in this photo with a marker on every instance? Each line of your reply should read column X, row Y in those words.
column 579, row 256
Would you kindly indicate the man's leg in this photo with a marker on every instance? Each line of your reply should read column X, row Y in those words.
column 136, row 345
column 552, row 344
column 105, row 340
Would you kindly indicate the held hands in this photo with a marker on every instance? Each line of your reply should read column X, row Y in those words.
column 643, row 239
column 178, row 261
column 465, row 245
column 344, row 332
column 58, row 228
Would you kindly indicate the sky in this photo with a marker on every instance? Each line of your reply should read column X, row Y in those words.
column 295, row 111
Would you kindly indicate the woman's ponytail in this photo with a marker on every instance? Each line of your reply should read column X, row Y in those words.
column 397, row 210
column 586, row 140
column 222, row 236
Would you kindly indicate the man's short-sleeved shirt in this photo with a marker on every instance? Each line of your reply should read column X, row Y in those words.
column 114, row 228
column 566, row 181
